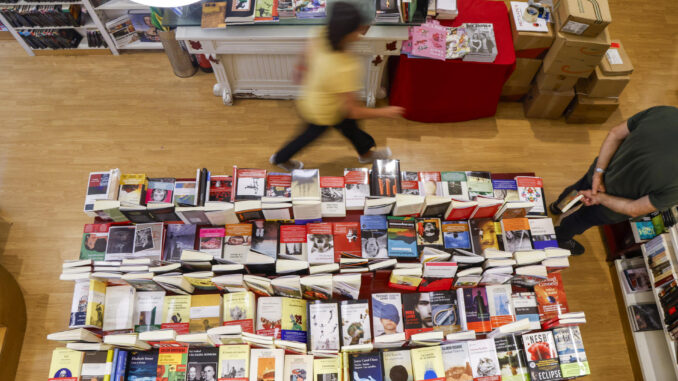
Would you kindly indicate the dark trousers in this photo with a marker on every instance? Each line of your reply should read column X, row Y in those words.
column 584, row 218
column 360, row 139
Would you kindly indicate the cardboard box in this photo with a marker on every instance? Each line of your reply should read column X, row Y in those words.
column 582, row 17
column 585, row 109
column 531, row 40
column 546, row 104
column 599, row 85
column 514, row 93
column 555, row 82
column 616, row 61
column 576, row 56
column 526, row 69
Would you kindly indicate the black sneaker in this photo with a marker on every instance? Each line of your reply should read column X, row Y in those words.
column 575, row 247
column 553, row 208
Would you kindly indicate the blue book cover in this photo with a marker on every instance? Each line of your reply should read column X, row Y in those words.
column 374, row 239
column 142, row 366
column 365, row 366
column 506, row 190
column 456, row 235
column 645, row 229
column 114, row 365
column 542, row 233
column 402, row 237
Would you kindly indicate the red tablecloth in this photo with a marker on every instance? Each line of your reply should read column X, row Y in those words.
column 452, row 90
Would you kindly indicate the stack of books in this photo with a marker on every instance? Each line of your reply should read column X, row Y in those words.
column 447, row 9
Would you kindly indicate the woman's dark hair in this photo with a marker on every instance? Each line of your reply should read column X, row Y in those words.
column 344, row 19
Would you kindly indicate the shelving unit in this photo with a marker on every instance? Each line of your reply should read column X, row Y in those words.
column 655, row 361
column 116, row 8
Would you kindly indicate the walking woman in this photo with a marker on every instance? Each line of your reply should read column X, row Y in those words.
column 331, row 76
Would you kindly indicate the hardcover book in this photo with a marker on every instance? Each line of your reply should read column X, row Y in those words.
column 234, row 362
column 176, row 313
column 456, row 235
column 427, row 364
column 250, row 184
column 347, row 240
column 542, row 358
column 457, row 362
column 323, row 319
column 511, row 358
column 402, row 241
column 397, row 365
column 571, row 353
column 239, row 310
column 355, row 322
column 293, row 242
column 320, row 243
column 429, row 233
column 357, row 187
column 202, row 364
column 373, row 231
column 484, row 363
column 385, row 178
column 386, row 314
column 417, row 313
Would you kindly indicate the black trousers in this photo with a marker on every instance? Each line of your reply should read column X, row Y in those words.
column 584, row 218
column 361, row 140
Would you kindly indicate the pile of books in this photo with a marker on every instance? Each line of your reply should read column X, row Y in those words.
column 446, row 9
column 482, row 44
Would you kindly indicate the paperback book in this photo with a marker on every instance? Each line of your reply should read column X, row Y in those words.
column 148, row 310
column 160, row 190
column 484, row 235
column 239, row 310
column 365, row 366
column 571, row 353
column 456, row 235
column 220, row 189
column 543, row 233
column 402, row 241
column 176, row 313
column 212, row 241
column 476, row 310
column 511, row 355
column 234, row 362
column 357, row 187
column 479, row 184
column 306, row 185
column 532, row 189
column 417, row 316
column 429, row 233
column 265, row 237
column 237, row 242
column 347, row 240
column 454, row 184
column 373, row 231
column 427, row 364
column 355, row 322
column 293, row 242
column 444, row 311
column 278, row 187
column 323, row 318
column 386, row 314
column 499, row 299
column 397, row 365
column 484, row 363
column 94, row 240
column 385, row 178
column 542, row 358
column 142, row 365
column 202, row 364
column 172, row 363
column 320, row 243
column 332, row 196
column 457, row 362
column 178, row 237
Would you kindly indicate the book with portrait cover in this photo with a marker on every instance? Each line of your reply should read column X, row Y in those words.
column 457, row 362
column 373, row 232
column 429, row 233
column 211, row 241
column 94, row 240
column 320, row 243
column 176, row 313
column 365, row 366
column 357, row 186
column 427, row 364
column 355, row 322
column 511, row 358
column 120, row 242
column 445, row 311
column 237, row 241
column 66, row 364
column 324, row 331
column 172, row 363
column 484, row 363
column 532, row 189
column 267, row 364
column 571, row 353
column 234, row 362
column 220, row 189
column 205, row 312
column 278, row 187
column 347, row 240
column 402, row 242
column 250, row 184
column 483, row 235
column 542, row 357
column 476, row 311
column 293, row 242
column 499, row 300
column 160, row 190
column 397, row 365
column 178, row 237
column 385, row 178
column 456, row 235
column 417, row 313
column 148, row 310
column 551, row 298
column 387, row 314
column 202, row 364
column 142, row 365
column 239, row 308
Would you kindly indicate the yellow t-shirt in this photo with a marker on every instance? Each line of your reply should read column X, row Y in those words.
column 329, row 74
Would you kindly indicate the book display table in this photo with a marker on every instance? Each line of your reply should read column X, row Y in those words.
column 454, row 91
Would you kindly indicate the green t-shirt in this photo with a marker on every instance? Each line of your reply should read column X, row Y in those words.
column 646, row 163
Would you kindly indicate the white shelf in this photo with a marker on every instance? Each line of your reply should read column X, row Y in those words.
column 122, row 5
column 139, row 45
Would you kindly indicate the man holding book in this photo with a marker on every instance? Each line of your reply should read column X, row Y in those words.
column 635, row 173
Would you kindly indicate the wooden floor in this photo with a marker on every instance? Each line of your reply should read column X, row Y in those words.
column 62, row 117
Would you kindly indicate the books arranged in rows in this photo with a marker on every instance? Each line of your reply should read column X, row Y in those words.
column 660, row 256
column 51, row 38
column 546, row 355
column 43, row 15
column 95, row 39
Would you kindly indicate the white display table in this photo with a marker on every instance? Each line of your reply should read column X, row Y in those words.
column 257, row 61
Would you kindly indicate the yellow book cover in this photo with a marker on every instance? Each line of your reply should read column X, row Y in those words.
column 345, row 373
column 239, row 310
column 109, row 364
column 327, row 369
column 293, row 323
column 234, row 362
column 205, row 312
column 132, row 188
column 427, row 364
column 176, row 313
column 66, row 364
column 172, row 363
column 95, row 303
column 204, row 284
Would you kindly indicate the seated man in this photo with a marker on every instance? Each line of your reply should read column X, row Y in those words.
column 635, row 173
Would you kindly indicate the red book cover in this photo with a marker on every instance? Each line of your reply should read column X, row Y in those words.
column 487, row 211
column 331, row 182
column 408, row 186
column 221, row 188
column 551, row 298
column 279, row 185
column 435, row 284
column 461, row 214
column 97, row 228
column 320, row 243
column 356, row 177
column 291, row 234
column 347, row 240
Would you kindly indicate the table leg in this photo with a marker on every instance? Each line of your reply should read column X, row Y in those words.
column 373, row 83
column 222, row 88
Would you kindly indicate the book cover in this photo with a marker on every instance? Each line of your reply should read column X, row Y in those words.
column 417, row 313
column 202, row 364
column 332, row 196
column 176, row 313
column 543, row 233
column 429, row 233
column 542, row 358
column 94, row 313
column 142, row 366
column 66, row 364
column 532, row 189
column 365, row 366
column 479, row 184
column 185, row 192
column 98, row 185
column 402, row 241
column 484, row 363
column 327, row 369
column 645, row 317
column 428, row 183
column 278, row 187
column 294, row 323
column 266, row 364
column 551, row 298
column 239, row 310
column 94, row 240
column 211, row 241
column 293, row 242
column 357, row 187
column 94, row 365
column 385, row 178
column 397, row 365
column 386, row 314
column 132, row 187
column 250, row 184
column 525, row 307
column 454, row 184
column 305, row 184
column 160, row 190
column 178, row 237
column 374, row 240
column 205, row 312
column 234, row 362
column 355, row 322
column 347, row 285
column 120, row 242
column 221, row 188
column 571, row 353
column 148, row 240
column 457, row 362
column 298, row 367
column 269, row 313
column 323, row 319
column 516, row 234
column 427, row 364
column 347, row 240
column 506, row 190
column 456, row 235
column 511, row 357
column 144, row 28
column 240, row 11
column 483, row 235
column 409, row 182
column 237, row 242
column 172, row 363
column 148, row 310
column 499, row 299
column 476, row 309
column 445, row 312
column 320, row 243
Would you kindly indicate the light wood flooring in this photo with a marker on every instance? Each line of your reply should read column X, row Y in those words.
column 62, row 117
